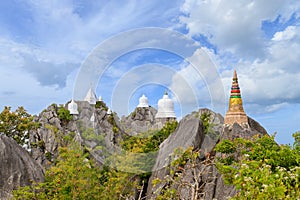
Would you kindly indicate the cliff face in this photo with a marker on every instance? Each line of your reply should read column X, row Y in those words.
column 92, row 128
column 17, row 167
column 202, row 173
column 101, row 134
column 140, row 120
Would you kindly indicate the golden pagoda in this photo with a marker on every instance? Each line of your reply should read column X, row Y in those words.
column 236, row 113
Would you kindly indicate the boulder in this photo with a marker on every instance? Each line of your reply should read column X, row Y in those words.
column 188, row 133
column 17, row 167
column 236, row 131
column 139, row 121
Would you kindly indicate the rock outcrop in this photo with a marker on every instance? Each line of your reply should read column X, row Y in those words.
column 92, row 127
column 101, row 133
column 191, row 132
column 237, row 130
column 17, row 167
column 141, row 120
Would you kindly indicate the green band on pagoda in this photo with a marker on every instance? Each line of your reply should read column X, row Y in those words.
column 236, row 96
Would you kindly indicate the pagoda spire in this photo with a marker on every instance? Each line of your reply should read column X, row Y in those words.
column 236, row 113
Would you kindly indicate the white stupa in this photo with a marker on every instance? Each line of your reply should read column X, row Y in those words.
column 143, row 102
column 91, row 97
column 109, row 112
column 100, row 98
column 165, row 108
column 73, row 108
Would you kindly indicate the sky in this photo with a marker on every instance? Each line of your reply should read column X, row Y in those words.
column 44, row 47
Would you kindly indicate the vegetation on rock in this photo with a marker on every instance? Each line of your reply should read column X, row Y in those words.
column 148, row 142
column 17, row 124
column 260, row 168
column 64, row 114
column 184, row 162
column 72, row 177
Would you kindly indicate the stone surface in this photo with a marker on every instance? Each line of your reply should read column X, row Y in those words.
column 236, row 130
column 17, row 167
column 141, row 120
column 101, row 133
column 188, row 133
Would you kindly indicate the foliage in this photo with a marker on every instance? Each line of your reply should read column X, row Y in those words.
column 205, row 118
column 296, row 145
column 17, row 124
column 183, row 162
column 260, row 168
column 64, row 114
column 149, row 142
column 101, row 104
column 73, row 177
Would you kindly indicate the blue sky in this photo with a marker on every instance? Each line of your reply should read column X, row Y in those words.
column 43, row 44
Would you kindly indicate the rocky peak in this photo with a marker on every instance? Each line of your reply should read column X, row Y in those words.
column 195, row 132
column 141, row 120
column 17, row 167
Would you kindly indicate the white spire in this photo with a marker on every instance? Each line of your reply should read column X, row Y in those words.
column 165, row 108
column 73, row 108
column 109, row 112
column 100, row 98
column 91, row 97
column 143, row 102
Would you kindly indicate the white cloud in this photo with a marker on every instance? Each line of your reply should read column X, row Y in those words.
column 287, row 34
column 199, row 83
column 268, row 69
column 234, row 26
column 274, row 80
column 56, row 36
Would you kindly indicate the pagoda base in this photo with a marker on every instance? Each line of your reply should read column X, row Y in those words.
column 236, row 117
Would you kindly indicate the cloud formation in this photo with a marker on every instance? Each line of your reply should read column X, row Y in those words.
column 266, row 66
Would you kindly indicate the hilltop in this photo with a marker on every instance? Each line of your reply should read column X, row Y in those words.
column 102, row 136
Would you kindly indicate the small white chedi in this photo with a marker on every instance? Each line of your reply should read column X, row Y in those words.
column 165, row 108
column 91, row 97
column 73, row 108
column 143, row 102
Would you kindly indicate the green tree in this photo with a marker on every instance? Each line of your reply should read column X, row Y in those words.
column 17, row 124
column 74, row 176
column 260, row 168
column 64, row 114
column 185, row 163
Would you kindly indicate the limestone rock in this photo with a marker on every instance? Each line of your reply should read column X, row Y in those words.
column 188, row 133
column 17, row 167
column 141, row 120
column 236, row 130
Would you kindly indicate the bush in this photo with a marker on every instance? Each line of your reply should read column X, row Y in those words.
column 260, row 168
column 64, row 114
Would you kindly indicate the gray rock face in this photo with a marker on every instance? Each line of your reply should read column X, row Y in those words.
column 139, row 121
column 93, row 128
column 190, row 132
column 44, row 141
column 210, row 183
column 237, row 131
column 17, row 167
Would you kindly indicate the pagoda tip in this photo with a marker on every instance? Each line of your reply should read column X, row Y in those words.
column 234, row 74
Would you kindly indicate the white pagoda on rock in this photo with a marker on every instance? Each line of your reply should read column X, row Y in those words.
column 143, row 102
column 73, row 108
column 91, row 97
column 165, row 108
